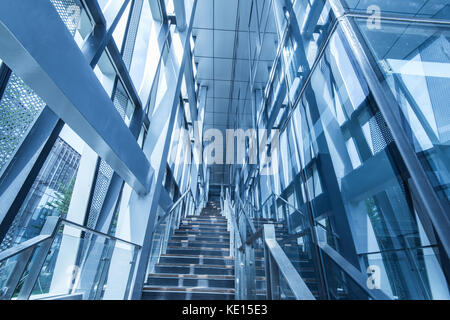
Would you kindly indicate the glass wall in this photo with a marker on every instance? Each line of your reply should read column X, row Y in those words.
column 338, row 162
column 416, row 68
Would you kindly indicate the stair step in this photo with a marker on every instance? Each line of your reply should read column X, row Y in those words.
column 195, row 289
column 193, row 276
column 211, row 216
column 195, row 226
column 197, row 263
column 201, row 233
column 186, row 259
column 199, row 251
column 170, row 280
column 197, row 244
column 196, row 237
column 204, row 223
column 175, row 293
column 202, row 218
column 193, row 269
column 214, row 226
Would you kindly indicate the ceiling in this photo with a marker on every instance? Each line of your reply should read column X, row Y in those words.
column 221, row 53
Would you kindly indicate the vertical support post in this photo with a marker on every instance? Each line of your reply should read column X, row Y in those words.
column 104, row 267
column 41, row 254
column 272, row 272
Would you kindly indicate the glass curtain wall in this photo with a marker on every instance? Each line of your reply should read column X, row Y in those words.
column 339, row 164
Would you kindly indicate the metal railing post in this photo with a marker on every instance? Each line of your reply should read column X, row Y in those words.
column 49, row 228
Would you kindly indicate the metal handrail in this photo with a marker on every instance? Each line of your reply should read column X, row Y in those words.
column 8, row 253
column 98, row 233
column 257, row 234
column 284, row 265
column 249, row 221
column 293, row 278
column 358, row 277
column 326, row 230
column 172, row 208
column 235, row 224
column 290, row 205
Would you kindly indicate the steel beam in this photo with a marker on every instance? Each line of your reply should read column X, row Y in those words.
column 180, row 12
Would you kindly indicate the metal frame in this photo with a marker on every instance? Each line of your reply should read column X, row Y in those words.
column 59, row 79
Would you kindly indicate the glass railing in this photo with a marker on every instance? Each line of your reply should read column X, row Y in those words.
column 166, row 225
column 68, row 260
column 422, row 266
column 314, row 254
column 253, row 245
column 344, row 281
column 340, row 285
column 296, row 238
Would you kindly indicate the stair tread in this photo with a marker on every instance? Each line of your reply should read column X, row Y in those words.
column 188, row 289
column 196, row 241
column 196, row 265
column 192, row 276
column 199, row 248
column 196, row 256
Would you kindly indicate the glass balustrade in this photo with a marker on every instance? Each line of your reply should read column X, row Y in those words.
column 71, row 261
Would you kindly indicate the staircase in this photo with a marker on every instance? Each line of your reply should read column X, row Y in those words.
column 197, row 264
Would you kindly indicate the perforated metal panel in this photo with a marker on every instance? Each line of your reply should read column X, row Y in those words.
column 19, row 108
column 379, row 132
column 65, row 9
column 105, row 173
column 132, row 33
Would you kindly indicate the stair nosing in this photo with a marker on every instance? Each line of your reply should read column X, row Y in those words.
column 212, row 266
column 210, row 290
column 191, row 276
column 197, row 256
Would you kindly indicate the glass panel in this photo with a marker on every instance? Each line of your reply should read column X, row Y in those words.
column 415, row 62
column 106, row 73
column 119, row 31
column 340, row 286
column 284, row 289
column 310, row 24
column 51, row 192
column 110, row 9
column 81, row 262
column 12, row 268
column 146, row 53
column 370, row 205
column 422, row 261
column 436, row 9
